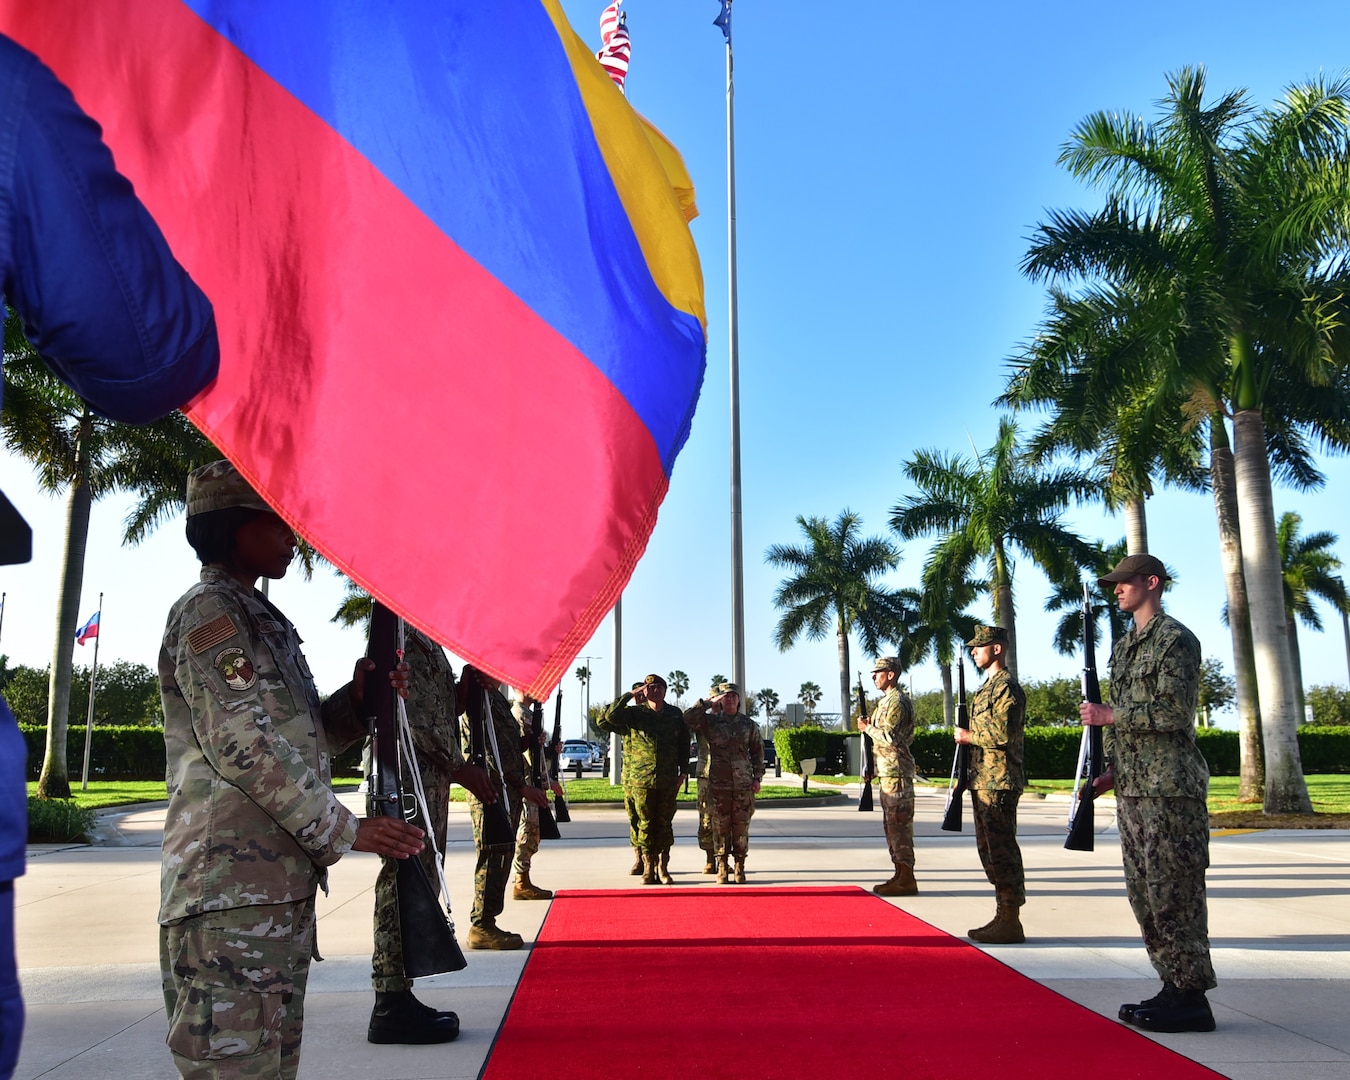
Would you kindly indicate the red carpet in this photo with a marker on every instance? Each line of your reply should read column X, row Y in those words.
column 829, row 983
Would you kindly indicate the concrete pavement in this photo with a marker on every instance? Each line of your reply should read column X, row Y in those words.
column 1279, row 923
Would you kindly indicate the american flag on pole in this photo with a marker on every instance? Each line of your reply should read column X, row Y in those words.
column 615, row 48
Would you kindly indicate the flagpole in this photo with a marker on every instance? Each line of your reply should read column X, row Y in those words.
column 737, row 546
column 93, row 683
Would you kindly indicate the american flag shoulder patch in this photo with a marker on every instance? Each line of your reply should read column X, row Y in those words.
column 219, row 629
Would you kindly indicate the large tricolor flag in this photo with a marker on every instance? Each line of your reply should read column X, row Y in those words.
column 460, row 310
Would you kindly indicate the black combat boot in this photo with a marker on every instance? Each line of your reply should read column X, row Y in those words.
column 398, row 1017
column 1163, row 997
column 1187, row 1011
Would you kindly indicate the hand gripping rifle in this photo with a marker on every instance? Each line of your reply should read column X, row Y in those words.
column 428, row 936
column 560, row 813
column 951, row 819
column 548, row 828
column 1090, row 751
column 869, row 754
column 496, row 828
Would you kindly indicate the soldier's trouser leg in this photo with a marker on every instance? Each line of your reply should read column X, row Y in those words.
column 1165, row 847
column 492, row 871
column 897, row 818
column 386, row 963
column 705, row 830
column 719, row 810
column 234, row 989
column 742, row 810
column 634, row 821
column 656, row 812
column 996, row 841
column 527, row 838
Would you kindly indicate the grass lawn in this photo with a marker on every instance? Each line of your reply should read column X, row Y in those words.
column 597, row 790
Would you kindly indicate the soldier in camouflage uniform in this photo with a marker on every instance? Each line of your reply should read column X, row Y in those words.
column 398, row 1017
column 995, row 737
column 735, row 768
column 252, row 822
column 891, row 730
column 655, row 757
column 1161, row 782
column 527, row 836
column 705, row 829
column 493, row 868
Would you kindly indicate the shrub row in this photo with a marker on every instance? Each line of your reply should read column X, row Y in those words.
column 131, row 753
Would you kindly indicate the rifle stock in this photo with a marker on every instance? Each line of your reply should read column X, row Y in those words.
column 560, row 813
column 951, row 818
column 1091, row 752
column 869, row 755
column 548, row 828
column 429, row 946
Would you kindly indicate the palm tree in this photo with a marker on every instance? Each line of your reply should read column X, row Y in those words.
column 1308, row 567
column 1067, row 596
column 1238, row 222
column 834, row 586
column 87, row 457
column 986, row 508
column 809, row 695
column 679, row 684
column 941, row 627
column 768, row 698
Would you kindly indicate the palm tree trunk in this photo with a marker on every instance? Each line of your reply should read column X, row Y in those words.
column 1136, row 526
column 54, row 780
column 1003, row 605
column 1251, row 771
column 1296, row 661
column 1345, row 630
column 948, row 706
column 1286, row 790
column 844, row 709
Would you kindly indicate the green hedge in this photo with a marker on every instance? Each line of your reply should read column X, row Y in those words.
column 827, row 747
column 131, row 753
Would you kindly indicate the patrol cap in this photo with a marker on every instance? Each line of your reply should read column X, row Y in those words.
column 218, row 486
column 655, row 680
column 1133, row 566
column 727, row 688
column 988, row 635
column 887, row 663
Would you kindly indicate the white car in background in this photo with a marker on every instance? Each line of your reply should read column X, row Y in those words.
column 576, row 750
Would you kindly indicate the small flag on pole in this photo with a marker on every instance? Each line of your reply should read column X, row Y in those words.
column 615, row 46
column 724, row 20
column 88, row 630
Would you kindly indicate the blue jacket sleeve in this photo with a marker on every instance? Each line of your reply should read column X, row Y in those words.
column 86, row 267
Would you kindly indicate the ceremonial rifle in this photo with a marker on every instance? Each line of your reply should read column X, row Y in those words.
column 1091, row 753
column 548, row 828
column 428, row 936
column 868, row 754
column 560, row 813
column 496, row 828
column 951, row 818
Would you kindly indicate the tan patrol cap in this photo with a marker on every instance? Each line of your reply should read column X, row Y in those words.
column 218, row 486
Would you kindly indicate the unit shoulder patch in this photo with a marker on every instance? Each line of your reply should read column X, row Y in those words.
column 235, row 668
column 219, row 629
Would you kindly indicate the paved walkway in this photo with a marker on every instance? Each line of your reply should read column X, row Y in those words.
column 1279, row 920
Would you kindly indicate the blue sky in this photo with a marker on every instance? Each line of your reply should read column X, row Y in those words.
column 891, row 162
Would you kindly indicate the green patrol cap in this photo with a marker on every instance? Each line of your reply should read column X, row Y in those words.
column 218, row 486
column 1133, row 566
column 988, row 635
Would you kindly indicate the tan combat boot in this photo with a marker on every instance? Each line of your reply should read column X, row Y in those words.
column 709, row 866
column 902, row 884
column 1006, row 929
column 663, row 871
column 493, row 937
column 637, row 863
column 721, row 869
column 527, row 890
column 649, row 863
column 740, row 869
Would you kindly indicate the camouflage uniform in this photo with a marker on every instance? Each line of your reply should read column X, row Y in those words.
column 997, row 777
column 527, row 835
column 705, row 829
column 493, row 868
column 433, row 720
column 251, row 825
column 891, row 729
column 1161, row 781
column 656, row 745
column 735, row 766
